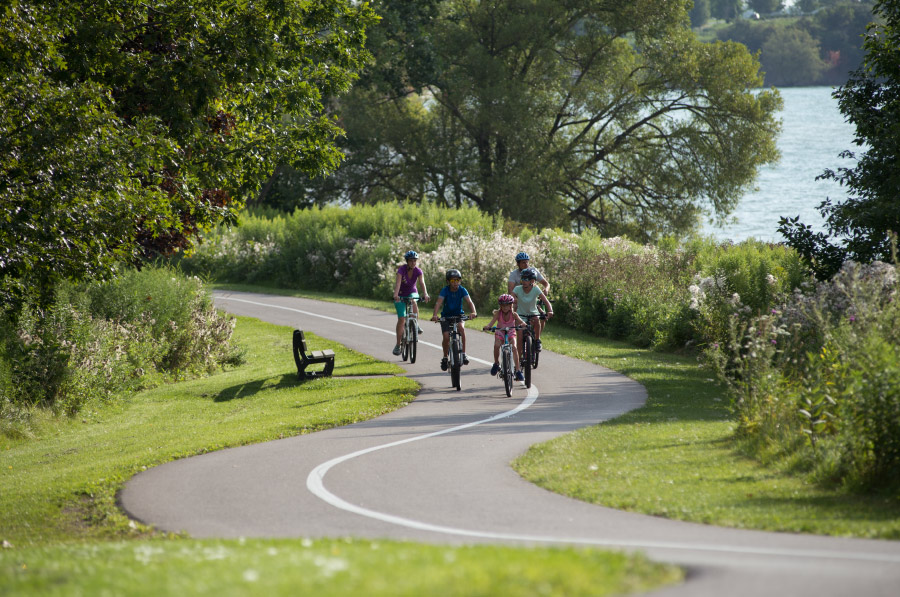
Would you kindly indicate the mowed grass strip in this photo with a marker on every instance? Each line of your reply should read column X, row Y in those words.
column 64, row 535
column 676, row 458
column 323, row 568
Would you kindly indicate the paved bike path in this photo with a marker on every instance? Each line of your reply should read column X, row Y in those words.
column 438, row 471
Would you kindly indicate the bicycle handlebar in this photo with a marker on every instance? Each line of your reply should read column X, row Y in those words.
column 456, row 318
column 503, row 329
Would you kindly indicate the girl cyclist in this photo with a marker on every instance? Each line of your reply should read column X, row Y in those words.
column 408, row 276
column 452, row 298
column 504, row 316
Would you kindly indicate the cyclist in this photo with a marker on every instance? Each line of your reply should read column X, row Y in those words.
column 515, row 279
column 505, row 317
column 408, row 276
column 527, row 296
column 452, row 298
column 515, row 276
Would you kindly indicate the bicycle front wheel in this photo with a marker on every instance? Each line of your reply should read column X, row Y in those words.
column 455, row 365
column 413, row 341
column 526, row 360
column 507, row 368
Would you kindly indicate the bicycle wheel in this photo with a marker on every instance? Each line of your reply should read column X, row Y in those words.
column 413, row 341
column 404, row 347
column 535, row 355
column 526, row 360
column 507, row 370
column 455, row 364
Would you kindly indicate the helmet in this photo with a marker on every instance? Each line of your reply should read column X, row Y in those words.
column 528, row 273
column 522, row 256
column 505, row 299
column 453, row 273
column 410, row 255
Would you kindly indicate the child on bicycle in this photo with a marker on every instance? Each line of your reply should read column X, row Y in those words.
column 504, row 316
column 408, row 276
column 452, row 298
column 527, row 296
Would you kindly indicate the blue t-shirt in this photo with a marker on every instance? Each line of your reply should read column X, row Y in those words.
column 453, row 301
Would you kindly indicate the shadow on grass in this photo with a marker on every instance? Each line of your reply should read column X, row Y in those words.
column 251, row 388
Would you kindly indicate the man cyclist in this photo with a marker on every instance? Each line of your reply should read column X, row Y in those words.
column 409, row 276
column 452, row 298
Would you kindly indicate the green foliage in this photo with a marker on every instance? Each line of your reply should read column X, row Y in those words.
column 127, row 126
column 556, row 114
column 103, row 339
column 863, row 227
column 816, row 49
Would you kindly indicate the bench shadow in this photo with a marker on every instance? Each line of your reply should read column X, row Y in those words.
column 250, row 388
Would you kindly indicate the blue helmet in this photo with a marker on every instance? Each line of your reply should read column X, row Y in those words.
column 522, row 256
column 410, row 255
column 529, row 273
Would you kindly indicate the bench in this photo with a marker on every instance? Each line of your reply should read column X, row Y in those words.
column 304, row 358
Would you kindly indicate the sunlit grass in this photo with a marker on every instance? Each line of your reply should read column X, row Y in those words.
column 322, row 568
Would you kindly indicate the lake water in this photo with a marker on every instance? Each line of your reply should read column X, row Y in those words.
column 813, row 135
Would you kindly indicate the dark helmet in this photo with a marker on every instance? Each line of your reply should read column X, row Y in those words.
column 505, row 299
column 453, row 273
column 410, row 255
column 522, row 256
column 528, row 273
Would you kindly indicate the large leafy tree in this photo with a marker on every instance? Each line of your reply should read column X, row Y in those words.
column 861, row 228
column 589, row 113
column 128, row 125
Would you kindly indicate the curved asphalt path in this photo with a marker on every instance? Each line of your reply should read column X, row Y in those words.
column 438, row 471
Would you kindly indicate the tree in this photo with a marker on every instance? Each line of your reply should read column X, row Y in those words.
column 127, row 126
column 575, row 114
column 700, row 13
column 862, row 227
column 790, row 56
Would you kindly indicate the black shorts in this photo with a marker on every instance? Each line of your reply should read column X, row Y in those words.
column 446, row 326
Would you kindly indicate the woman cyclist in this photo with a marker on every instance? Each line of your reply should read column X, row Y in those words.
column 527, row 297
column 408, row 276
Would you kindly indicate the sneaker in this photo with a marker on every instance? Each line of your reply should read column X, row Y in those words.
column 495, row 368
column 465, row 359
column 519, row 376
column 397, row 349
column 537, row 346
column 444, row 364
column 420, row 331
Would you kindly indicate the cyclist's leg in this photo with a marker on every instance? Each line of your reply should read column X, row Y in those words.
column 497, row 343
column 515, row 350
column 401, row 322
column 519, row 344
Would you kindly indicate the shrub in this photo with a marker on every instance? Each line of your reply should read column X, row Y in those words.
column 102, row 339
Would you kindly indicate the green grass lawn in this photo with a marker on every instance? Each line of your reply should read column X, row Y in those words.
column 63, row 534
column 676, row 458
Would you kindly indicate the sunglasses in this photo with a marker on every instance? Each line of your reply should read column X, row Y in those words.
column 454, row 280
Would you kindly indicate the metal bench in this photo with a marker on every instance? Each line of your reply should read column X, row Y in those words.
column 304, row 358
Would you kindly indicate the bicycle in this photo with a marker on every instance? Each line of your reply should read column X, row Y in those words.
column 454, row 355
column 530, row 354
column 506, row 357
column 410, row 337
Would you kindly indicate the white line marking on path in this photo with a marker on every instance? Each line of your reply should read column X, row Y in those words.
column 315, row 484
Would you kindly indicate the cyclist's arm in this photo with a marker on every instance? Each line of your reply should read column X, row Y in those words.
column 494, row 319
column 425, row 296
column 471, row 306
column 519, row 320
column 397, row 288
column 544, row 300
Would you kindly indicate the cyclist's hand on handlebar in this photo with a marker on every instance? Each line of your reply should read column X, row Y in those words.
column 435, row 318
column 473, row 315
